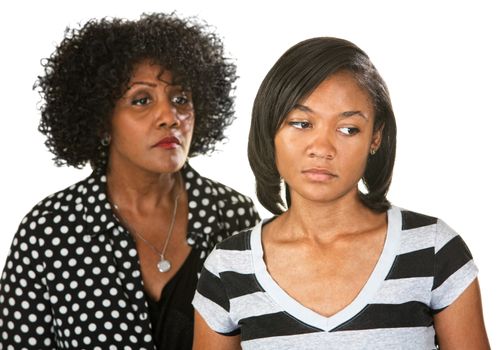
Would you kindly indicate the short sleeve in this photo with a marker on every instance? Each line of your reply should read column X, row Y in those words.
column 211, row 300
column 454, row 267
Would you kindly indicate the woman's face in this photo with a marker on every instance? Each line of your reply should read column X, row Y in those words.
column 152, row 123
column 323, row 144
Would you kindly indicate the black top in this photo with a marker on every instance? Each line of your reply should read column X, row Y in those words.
column 173, row 315
column 72, row 279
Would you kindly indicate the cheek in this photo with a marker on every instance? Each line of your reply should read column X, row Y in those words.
column 354, row 163
column 124, row 135
column 187, row 129
column 286, row 155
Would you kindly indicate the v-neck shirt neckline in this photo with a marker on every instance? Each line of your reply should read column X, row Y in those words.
column 363, row 298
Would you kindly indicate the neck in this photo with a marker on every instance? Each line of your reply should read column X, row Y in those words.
column 141, row 192
column 326, row 221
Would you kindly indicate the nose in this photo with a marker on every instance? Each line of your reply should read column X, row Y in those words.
column 321, row 145
column 166, row 115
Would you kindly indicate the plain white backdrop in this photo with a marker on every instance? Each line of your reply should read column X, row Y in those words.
column 442, row 61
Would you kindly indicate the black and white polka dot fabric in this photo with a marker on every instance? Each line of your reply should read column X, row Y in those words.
column 72, row 278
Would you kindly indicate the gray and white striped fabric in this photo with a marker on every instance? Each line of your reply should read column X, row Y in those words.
column 423, row 268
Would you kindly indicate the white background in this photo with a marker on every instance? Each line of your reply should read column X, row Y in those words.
column 442, row 60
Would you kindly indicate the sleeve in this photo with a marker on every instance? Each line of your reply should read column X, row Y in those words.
column 454, row 267
column 211, row 300
column 25, row 316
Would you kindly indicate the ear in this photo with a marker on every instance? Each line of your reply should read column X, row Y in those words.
column 376, row 139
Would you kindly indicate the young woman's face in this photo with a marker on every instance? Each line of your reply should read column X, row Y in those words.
column 323, row 144
column 152, row 124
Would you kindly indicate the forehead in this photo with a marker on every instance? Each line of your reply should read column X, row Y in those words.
column 339, row 91
column 338, row 96
column 148, row 71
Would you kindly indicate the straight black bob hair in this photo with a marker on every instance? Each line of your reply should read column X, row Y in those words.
column 294, row 76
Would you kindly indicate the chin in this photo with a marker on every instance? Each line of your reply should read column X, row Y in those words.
column 325, row 195
column 171, row 165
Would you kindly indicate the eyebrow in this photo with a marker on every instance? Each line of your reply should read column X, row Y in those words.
column 345, row 114
column 140, row 82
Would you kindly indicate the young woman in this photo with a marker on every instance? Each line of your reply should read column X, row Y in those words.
column 112, row 262
column 337, row 268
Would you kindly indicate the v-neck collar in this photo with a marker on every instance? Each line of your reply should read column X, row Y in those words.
column 363, row 298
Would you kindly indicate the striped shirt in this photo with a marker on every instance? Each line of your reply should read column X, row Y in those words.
column 424, row 266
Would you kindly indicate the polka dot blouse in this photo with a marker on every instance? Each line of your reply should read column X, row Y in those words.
column 72, row 278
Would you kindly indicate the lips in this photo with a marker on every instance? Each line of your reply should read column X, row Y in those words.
column 319, row 174
column 168, row 142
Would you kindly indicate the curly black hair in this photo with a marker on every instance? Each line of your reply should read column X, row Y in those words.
column 89, row 71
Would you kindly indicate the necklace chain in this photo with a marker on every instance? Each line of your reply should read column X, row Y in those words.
column 163, row 265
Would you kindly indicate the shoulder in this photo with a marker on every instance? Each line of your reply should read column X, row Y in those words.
column 196, row 183
column 66, row 210
column 234, row 208
column 237, row 242
column 443, row 250
column 413, row 220
column 427, row 225
column 231, row 253
column 65, row 202
column 60, row 217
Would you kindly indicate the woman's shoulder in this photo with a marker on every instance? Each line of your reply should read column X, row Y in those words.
column 237, row 242
column 234, row 209
column 199, row 185
column 216, row 211
column 411, row 220
column 67, row 203
column 426, row 227
column 232, row 253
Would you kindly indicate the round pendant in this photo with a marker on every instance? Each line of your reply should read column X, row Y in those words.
column 163, row 265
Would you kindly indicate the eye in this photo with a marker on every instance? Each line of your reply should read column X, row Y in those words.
column 303, row 124
column 181, row 100
column 349, row 131
column 141, row 101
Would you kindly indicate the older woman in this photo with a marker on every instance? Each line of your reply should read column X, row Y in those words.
column 337, row 268
column 112, row 261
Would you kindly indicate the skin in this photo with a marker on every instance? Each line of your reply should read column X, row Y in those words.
column 461, row 325
column 143, row 174
column 322, row 148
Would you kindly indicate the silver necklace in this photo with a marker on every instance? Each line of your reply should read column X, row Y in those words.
column 164, row 264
